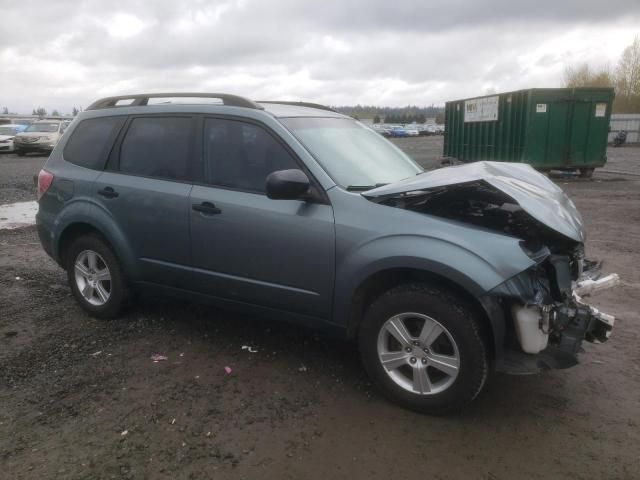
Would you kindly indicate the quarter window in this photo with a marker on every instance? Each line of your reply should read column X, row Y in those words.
column 157, row 147
column 91, row 141
column 241, row 155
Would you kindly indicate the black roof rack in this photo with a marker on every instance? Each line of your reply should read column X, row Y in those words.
column 301, row 104
column 142, row 99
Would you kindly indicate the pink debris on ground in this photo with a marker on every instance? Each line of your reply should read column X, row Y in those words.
column 228, row 370
column 157, row 358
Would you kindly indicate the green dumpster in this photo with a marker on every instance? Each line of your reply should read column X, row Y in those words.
column 549, row 128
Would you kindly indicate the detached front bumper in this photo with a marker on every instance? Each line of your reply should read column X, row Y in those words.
column 550, row 336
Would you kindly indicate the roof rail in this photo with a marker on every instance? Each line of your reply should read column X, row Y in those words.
column 142, row 99
column 301, row 104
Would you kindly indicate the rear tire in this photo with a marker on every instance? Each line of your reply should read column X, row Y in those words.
column 586, row 172
column 95, row 276
column 440, row 363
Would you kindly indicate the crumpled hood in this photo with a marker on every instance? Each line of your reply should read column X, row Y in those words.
column 531, row 190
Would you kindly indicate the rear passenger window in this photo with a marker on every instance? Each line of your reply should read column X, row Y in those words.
column 241, row 155
column 157, row 147
column 91, row 141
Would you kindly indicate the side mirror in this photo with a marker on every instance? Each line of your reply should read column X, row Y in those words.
column 287, row 185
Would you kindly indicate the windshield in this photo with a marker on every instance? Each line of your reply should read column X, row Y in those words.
column 42, row 127
column 7, row 130
column 353, row 155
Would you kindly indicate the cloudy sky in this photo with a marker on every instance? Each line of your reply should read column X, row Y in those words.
column 61, row 53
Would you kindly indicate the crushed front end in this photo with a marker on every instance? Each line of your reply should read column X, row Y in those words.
column 545, row 317
column 549, row 318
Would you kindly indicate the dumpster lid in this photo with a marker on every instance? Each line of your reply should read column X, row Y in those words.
column 531, row 190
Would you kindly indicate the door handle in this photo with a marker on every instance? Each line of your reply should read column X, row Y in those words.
column 108, row 192
column 207, row 208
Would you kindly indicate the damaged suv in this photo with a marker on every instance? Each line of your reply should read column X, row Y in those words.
column 294, row 211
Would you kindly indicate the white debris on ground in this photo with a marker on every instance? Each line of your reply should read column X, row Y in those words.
column 16, row 215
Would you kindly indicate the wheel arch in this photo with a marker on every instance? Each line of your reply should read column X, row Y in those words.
column 73, row 231
column 112, row 237
column 376, row 284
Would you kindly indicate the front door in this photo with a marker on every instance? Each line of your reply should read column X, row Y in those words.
column 246, row 247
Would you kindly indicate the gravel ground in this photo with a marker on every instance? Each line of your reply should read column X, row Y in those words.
column 16, row 177
column 81, row 398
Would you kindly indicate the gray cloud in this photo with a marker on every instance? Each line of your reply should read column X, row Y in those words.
column 65, row 53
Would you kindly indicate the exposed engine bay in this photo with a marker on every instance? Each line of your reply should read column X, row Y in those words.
column 483, row 205
column 549, row 317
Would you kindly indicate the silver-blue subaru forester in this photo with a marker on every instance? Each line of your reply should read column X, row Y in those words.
column 293, row 211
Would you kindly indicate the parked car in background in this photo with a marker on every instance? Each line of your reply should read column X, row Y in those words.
column 412, row 130
column 7, row 134
column 40, row 137
column 431, row 129
column 385, row 131
column 398, row 131
column 298, row 212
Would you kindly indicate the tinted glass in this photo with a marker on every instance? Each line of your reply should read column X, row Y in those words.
column 91, row 141
column 157, row 147
column 241, row 155
column 354, row 155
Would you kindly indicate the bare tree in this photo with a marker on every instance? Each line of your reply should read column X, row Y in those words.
column 585, row 76
column 628, row 79
column 5, row 110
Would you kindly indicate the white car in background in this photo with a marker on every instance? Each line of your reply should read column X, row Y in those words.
column 7, row 134
column 412, row 130
column 40, row 137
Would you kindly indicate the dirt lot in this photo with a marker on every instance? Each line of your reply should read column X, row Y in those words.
column 81, row 398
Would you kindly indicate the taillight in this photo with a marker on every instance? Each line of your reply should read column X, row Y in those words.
column 44, row 182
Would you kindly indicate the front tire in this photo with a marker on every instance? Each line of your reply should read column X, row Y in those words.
column 95, row 276
column 423, row 348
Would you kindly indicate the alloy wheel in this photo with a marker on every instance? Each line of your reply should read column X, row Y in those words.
column 92, row 277
column 418, row 353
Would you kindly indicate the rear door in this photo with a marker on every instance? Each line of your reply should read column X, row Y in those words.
column 246, row 247
column 146, row 190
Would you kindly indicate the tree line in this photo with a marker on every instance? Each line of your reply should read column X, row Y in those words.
column 408, row 114
column 42, row 112
column 624, row 78
column 401, row 118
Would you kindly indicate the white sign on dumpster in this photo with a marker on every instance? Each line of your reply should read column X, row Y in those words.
column 481, row 109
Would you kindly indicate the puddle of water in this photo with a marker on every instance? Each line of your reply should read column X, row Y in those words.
column 16, row 215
